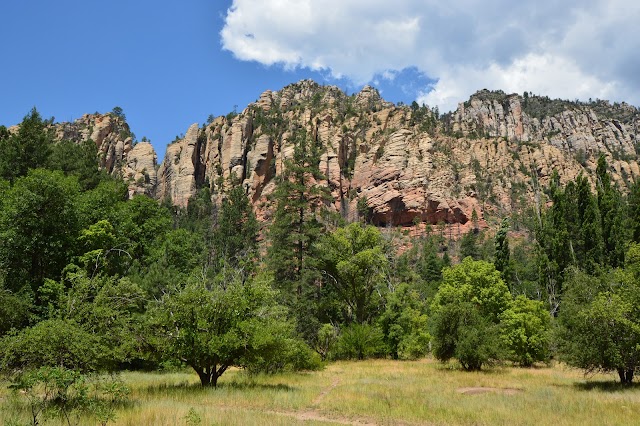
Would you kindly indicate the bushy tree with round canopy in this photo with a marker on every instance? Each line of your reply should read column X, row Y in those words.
column 466, row 313
column 212, row 327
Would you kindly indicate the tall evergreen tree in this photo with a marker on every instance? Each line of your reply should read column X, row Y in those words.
column 296, row 224
column 469, row 245
column 295, row 228
column 502, row 254
column 553, row 248
column 28, row 148
column 633, row 212
column 235, row 237
column 612, row 212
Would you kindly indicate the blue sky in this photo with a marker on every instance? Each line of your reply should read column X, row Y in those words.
column 161, row 61
column 169, row 64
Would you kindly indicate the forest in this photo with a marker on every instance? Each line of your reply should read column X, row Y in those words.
column 93, row 282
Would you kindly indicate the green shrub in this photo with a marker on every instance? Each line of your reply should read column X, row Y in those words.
column 360, row 341
column 525, row 331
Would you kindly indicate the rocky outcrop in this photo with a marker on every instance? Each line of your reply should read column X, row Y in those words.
column 118, row 154
column 398, row 164
column 403, row 163
column 177, row 173
column 140, row 170
column 573, row 127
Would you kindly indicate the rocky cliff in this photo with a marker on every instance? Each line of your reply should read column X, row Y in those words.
column 406, row 163
column 492, row 154
column 137, row 163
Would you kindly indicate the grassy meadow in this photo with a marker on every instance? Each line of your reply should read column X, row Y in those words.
column 370, row 393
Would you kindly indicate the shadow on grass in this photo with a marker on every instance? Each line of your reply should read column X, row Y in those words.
column 197, row 388
column 488, row 369
column 611, row 386
column 259, row 386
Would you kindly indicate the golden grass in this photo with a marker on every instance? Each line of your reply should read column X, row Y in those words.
column 378, row 392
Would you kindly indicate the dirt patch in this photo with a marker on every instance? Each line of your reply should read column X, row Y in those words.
column 478, row 390
column 311, row 415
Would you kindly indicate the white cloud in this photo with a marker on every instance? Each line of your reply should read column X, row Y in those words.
column 570, row 49
column 540, row 74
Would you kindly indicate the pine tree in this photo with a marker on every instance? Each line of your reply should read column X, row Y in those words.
column 502, row 253
column 430, row 265
column 28, row 148
column 296, row 225
column 612, row 209
column 235, row 237
column 633, row 212
column 469, row 245
column 553, row 251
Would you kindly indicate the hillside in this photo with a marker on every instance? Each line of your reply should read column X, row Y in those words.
column 409, row 163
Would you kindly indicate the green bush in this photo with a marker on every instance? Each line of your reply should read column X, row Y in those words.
column 525, row 331
column 466, row 314
column 404, row 324
column 460, row 331
column 360, row 341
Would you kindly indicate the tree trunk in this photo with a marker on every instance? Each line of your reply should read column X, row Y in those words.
column 205, row 379
column 626, row 375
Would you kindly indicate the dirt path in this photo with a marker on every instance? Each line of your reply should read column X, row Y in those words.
column 316, row 416
column 307, row 414
column 324, row 393
column 303, row 415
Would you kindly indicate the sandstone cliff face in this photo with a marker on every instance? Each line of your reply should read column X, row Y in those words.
column 117, row 153
column 490, row 155
column 574, row 130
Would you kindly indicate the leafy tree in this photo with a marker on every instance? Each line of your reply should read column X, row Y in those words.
column 525, row 274
column 327, row 337
column 466, row 314
column 460, row 331
column 97, row 242
column 112, row 310
column 599, row 323
column 353, row 260
column 51, row 343
column 178, row 249
column 14, row 309
column 214, row 327
column 612, row 215
column 525, row 331
column 79, row 159
column 554, row 248
column 104, row 202
column 138, row 223
column 404, row 324
column 588, row 244
column 38, row 228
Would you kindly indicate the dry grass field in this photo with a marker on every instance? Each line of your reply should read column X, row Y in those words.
column 380, row 392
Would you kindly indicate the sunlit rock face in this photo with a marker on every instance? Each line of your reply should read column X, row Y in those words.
column 399, row 164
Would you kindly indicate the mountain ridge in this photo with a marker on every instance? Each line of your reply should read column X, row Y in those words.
column 408, row 163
